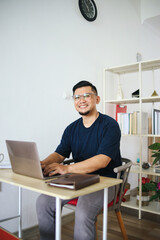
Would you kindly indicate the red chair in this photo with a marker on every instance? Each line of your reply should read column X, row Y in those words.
column 120, row 190
column 5, row 235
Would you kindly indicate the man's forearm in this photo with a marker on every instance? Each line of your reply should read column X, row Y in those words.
column 54, row 157
column 90, row 165
column 86, row 166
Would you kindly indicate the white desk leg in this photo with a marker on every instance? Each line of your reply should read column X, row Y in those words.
column 105, row 214
column 20, row 212
column 58, row 218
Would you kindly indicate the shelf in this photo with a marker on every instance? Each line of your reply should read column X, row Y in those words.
column 135, row 169
column 123, row 101
column 153, row 207
column 149, row 171
column 151, row 99
column 151, row 65
column 113, row 74
column 134, row 100
column 131, row 203
column 124, row 69
column 150, row 135
column 130, row 135
column 143, row 135
column 130, row 68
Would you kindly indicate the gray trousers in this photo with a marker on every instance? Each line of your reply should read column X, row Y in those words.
column 87, row 208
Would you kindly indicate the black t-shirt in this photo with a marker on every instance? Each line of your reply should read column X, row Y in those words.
column 102, row 137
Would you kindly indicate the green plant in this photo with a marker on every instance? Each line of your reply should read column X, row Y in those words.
column 157, row 194
column 148, row 185
column 156, row 152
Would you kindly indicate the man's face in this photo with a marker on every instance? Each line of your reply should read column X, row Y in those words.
column 85, row 100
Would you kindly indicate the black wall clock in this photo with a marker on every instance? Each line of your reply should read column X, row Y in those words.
column 88, row 9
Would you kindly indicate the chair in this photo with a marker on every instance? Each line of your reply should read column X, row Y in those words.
column 5, row 235
column 122, row 173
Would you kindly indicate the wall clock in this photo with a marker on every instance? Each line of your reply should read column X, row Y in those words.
column 88, row 9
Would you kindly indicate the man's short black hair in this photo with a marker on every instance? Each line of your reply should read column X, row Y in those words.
column 85, row 84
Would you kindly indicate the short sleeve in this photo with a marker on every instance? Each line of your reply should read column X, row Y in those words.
column 110, row 142
column 64, row 148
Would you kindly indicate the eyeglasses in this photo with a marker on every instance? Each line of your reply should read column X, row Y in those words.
column 86, row 96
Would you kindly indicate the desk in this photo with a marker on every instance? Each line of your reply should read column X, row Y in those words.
column 33, row 184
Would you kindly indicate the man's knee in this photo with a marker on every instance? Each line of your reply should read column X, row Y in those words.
column 41, row 201
column 84, row 226
column 44, row 204
column 81, row 216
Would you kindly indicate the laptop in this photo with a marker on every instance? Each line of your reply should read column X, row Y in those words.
column 25, row 159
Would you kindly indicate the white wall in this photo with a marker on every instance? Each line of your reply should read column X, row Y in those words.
column 46, row 46
column 149, row 9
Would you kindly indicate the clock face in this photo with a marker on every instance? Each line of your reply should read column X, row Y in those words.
column 88, row 9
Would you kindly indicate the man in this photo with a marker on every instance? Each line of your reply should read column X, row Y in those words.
column 94, row 142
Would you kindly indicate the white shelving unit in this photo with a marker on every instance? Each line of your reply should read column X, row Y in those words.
column 109, row 101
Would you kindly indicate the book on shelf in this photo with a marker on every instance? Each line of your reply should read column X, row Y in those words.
column 120, row 109
column 144, row 123
column 155, row 121
column 74, row 181
column 130, row 122
column 124, row 122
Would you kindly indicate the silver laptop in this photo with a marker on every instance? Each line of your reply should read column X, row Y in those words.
column 25, row 159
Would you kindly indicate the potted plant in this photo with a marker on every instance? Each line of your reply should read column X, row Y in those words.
column 157, row 193
column 156, row 152
column 148, row 189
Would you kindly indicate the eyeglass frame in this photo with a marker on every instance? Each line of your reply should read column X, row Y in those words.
column 77, row 97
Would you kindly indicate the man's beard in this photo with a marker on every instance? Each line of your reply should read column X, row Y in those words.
column 85, row 113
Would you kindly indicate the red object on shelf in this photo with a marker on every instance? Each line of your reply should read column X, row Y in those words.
column 120, row 109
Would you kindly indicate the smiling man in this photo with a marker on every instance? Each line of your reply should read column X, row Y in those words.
column 94, row 141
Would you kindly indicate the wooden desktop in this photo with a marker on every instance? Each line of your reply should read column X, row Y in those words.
column 37, row 185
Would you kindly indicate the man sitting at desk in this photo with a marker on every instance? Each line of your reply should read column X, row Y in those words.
column 94, row 141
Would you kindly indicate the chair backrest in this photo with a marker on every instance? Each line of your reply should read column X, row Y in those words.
column 122, row 173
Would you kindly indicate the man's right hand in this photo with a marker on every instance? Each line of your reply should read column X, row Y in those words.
column 52, row 158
